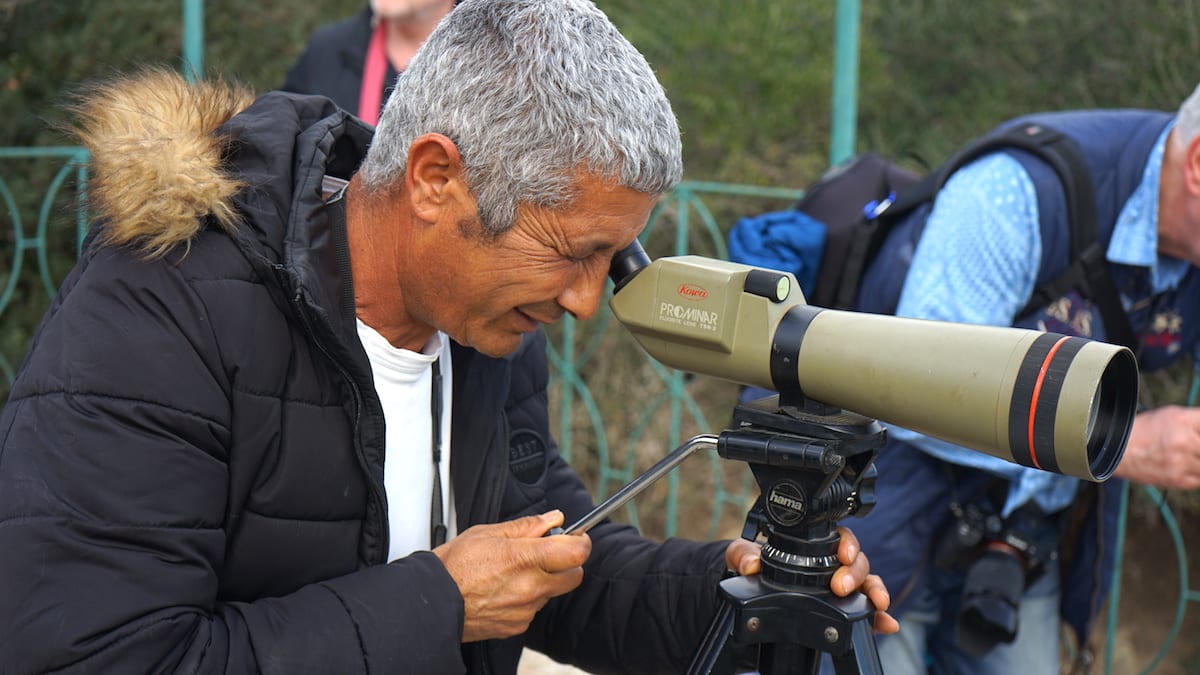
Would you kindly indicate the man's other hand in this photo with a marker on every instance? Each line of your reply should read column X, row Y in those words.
column 508, row 571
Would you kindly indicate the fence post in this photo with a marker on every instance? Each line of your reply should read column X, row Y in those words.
column 193, row 39
column 845, row 81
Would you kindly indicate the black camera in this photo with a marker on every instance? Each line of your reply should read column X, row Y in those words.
column 1001, row 560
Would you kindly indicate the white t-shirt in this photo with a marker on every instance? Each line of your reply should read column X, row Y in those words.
column 404, row 381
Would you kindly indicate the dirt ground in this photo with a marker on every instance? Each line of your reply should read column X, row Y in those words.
column 1148, row 605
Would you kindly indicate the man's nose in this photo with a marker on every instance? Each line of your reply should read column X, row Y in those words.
column 581, row 297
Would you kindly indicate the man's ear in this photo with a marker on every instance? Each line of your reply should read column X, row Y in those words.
column 1191, row 166
column 434, row 176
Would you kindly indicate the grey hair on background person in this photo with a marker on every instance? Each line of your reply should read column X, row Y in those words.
column 1187, row 122
column 534, row 93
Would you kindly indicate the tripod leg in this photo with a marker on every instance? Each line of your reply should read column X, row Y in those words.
column 863, row 657
column 715, row 655
column 788, row 659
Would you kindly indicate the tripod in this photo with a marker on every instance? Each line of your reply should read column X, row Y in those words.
column 813, row 465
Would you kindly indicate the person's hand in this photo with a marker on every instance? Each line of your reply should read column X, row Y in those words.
column 855, row 575
column 506, row 572
column 1164, row 449
column 745, row 557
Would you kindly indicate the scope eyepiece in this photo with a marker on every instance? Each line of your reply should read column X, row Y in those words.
column 627, row 263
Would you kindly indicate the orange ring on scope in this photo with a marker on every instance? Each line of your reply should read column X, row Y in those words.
column 1037, row 390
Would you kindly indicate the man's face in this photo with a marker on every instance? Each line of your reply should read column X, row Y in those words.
column 486, row 291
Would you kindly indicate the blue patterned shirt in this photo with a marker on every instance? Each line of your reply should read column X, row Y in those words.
column 977, row 262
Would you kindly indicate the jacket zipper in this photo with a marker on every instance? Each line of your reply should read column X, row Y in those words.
column 486, row 654
column 376, row 490
column 496, row 491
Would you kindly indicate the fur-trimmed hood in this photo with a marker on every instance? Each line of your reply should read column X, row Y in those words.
column 156, row 163
column 171, row 157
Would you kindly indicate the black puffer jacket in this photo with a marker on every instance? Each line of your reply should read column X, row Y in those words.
column 191, row 458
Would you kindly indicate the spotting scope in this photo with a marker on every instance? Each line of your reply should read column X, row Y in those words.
column 1053, row 402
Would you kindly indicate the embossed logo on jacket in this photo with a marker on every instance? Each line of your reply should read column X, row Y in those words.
column 527, row 455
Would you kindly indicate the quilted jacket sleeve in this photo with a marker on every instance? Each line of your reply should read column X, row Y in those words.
column 114, row 478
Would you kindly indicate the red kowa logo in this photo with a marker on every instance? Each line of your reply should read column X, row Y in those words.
column 690, row 292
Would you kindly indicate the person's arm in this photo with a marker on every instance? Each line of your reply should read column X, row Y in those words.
column 1164, row 449
column 643, row 606
column 114, row 480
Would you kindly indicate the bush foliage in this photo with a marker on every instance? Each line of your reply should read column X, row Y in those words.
column 750, row 80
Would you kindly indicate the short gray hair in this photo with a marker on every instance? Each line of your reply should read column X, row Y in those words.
column 1187, row 122
column 535, row 93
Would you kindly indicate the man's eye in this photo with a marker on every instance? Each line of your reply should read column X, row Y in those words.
column 582, row 258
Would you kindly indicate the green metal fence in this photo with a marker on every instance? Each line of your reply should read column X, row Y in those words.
column 613, row 416
column 27, row 242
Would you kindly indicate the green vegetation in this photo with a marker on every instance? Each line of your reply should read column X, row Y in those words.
column 749, row 79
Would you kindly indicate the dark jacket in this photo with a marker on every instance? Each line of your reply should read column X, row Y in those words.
column 192, row 454
column 332, row 63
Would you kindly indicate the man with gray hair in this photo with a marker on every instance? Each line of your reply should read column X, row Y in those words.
column 288, row 413
column 992, row 558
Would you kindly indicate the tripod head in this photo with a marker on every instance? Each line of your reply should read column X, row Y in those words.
column 814, row 466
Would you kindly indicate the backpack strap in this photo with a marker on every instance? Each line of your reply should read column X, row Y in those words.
column 1088, row 269
column 838, row 285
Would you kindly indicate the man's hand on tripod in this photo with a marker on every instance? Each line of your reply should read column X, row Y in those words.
column 854, row 574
